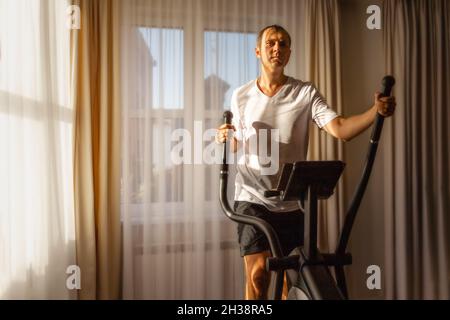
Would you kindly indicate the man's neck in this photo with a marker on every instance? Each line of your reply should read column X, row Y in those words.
column 271, row 82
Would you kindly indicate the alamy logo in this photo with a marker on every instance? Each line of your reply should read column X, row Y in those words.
column 74, row 279
column 374, row 20
column 73, row 17
column 374, row 280
column 261, row 151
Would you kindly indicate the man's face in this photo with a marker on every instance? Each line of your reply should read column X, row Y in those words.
column 275, row 50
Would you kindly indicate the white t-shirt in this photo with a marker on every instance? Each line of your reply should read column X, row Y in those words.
column 272, row 131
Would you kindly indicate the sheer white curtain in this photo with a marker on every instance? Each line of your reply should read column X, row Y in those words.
column 36, row 206
column 181, row 62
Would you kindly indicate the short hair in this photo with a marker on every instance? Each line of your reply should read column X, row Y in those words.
column 276, row 28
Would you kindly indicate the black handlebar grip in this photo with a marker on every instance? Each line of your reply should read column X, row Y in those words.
column 227, row 116
column 386, row 87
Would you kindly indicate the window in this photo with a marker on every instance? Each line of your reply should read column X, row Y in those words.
column 165, row 47
column 229, row 62
column 157, row 114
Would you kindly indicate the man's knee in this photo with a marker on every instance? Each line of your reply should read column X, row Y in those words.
column 259, row 278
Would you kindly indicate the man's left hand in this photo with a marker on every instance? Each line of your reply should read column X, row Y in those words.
column 385, row 105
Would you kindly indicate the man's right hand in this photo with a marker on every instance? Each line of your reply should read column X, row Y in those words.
column 222, row 132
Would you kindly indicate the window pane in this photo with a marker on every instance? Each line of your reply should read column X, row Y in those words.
column 165, row 48
column 153, row 176
column 230, row 62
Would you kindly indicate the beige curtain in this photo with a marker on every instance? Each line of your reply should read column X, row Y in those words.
column 322, row 55
column 417, row 228
column 96, row 149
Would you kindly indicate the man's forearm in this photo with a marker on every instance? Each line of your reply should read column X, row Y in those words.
column 348, row 128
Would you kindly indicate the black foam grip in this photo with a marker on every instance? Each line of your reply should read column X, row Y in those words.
column 227, row 117
column 386, row 85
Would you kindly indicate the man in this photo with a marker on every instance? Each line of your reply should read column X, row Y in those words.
column 277, row 101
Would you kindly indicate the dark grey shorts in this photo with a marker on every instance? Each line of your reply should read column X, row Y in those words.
column 288, row 226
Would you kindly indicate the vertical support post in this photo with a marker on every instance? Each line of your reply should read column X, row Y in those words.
column 310, row 236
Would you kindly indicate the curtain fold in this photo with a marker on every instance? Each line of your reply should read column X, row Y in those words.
column 323, row 68
column 95, row 74
column 417, row 52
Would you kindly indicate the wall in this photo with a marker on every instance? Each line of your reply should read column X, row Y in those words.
column 362, row 71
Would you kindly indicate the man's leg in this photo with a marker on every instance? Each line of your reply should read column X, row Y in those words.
column 284, row 294
column 257, row 278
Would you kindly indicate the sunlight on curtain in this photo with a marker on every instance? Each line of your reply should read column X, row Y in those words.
column 181, row 62
column 36, row 205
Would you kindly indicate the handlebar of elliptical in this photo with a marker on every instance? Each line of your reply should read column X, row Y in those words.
column 262, row 225
column 387, row 84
